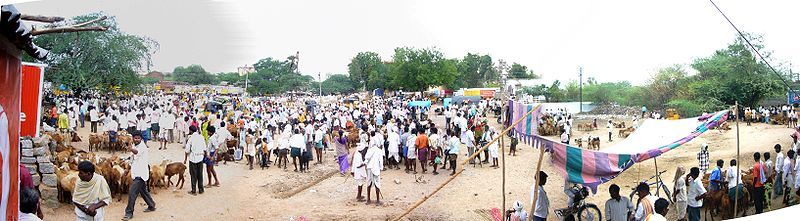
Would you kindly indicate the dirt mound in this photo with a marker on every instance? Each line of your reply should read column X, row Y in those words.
column 607, row 109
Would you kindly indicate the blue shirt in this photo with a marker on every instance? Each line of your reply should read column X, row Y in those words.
column 716, row 175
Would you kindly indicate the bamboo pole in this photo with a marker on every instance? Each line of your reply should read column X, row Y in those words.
column 503, row 159
column 463, row 163
column 536, row 182
column 658, row 178
column 738, row 173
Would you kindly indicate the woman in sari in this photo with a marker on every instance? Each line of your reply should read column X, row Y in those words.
column 340, row 141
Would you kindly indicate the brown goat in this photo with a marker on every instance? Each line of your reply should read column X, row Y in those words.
column 175, row 168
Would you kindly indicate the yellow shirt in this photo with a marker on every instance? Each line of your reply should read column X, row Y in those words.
column 63, row 121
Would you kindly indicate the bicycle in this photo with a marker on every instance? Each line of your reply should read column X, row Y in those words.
column 585, row 211
column 659, row 183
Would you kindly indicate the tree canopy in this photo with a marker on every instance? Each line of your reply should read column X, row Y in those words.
column 275, row 76
column 338, row 84
column 367, row 71
column 417, row 69
column 99, row 60
column 194, row 75
column 521, row 71
column 728, row 75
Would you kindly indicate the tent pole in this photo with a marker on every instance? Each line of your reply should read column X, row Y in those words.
column 536, row 182
column 465, row 162
column 736, row 189
column 658, row 178
column 503, row 159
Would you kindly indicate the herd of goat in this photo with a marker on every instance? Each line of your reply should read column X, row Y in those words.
column 115, row 169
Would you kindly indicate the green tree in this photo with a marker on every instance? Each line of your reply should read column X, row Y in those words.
column 366, row 69
column 554, row 93
column 193, row 74
column 733, row 74
column 232, row 78
column 337, row 84
column 149, row 80
column 572, row 91
column 96, row 60
column 417, row 69
column 274, row 76
column 521, row 71
column 475, row 70
column 664, row 85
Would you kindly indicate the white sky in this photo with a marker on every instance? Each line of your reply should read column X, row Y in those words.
column 612, row 40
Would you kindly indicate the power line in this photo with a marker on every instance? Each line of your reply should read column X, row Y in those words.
column 752, row 47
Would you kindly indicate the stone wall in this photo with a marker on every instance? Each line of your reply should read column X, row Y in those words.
column 36, row 157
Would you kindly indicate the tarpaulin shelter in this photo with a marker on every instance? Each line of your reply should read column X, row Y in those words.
column 461, row 99
column 419, row 104
column 592, row 168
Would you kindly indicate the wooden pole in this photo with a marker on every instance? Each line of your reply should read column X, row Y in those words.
column 503, row 159
column 658, row 178
column 536, row 182
column 736, row 189
column 463, row 163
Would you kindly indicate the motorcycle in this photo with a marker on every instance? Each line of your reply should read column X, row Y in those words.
column 585, row 211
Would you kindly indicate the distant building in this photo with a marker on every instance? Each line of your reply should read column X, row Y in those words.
column 156, row 75
column 514, row 85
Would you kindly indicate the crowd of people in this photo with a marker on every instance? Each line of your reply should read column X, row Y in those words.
column 365, row 138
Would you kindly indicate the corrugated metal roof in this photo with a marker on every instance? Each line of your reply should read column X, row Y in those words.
column 12, row 27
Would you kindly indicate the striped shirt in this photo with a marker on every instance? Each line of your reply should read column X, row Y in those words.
column 617, row 210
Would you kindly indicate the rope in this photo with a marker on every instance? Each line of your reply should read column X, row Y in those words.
column 465, row 162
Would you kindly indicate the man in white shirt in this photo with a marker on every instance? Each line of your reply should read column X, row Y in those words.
column 679, row 193
column 394, row 148
column 468, row 139
column 94, row 117
column 167, row 124
column 618, row 208
column 297, row 144
column 646, row 201
column 788, row 172
column 214, row 142
column 140, row 173
column 28, row 204
column 696, row 193
column 374, row 161
column 778, row 188
column 542, row 202
column 318, row 144
column 661, row 207
column 196, row 150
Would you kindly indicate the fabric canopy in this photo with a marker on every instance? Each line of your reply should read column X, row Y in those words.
column 653, row 132
column 592, row 168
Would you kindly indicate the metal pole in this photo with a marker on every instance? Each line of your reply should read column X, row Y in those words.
column 246, row 76
column 580, row 88
column 736, row 189
column 319, row 74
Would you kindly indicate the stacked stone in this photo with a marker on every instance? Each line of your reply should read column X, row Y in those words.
column 36, row 158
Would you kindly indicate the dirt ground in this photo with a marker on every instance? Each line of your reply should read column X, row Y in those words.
column 267, row 194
